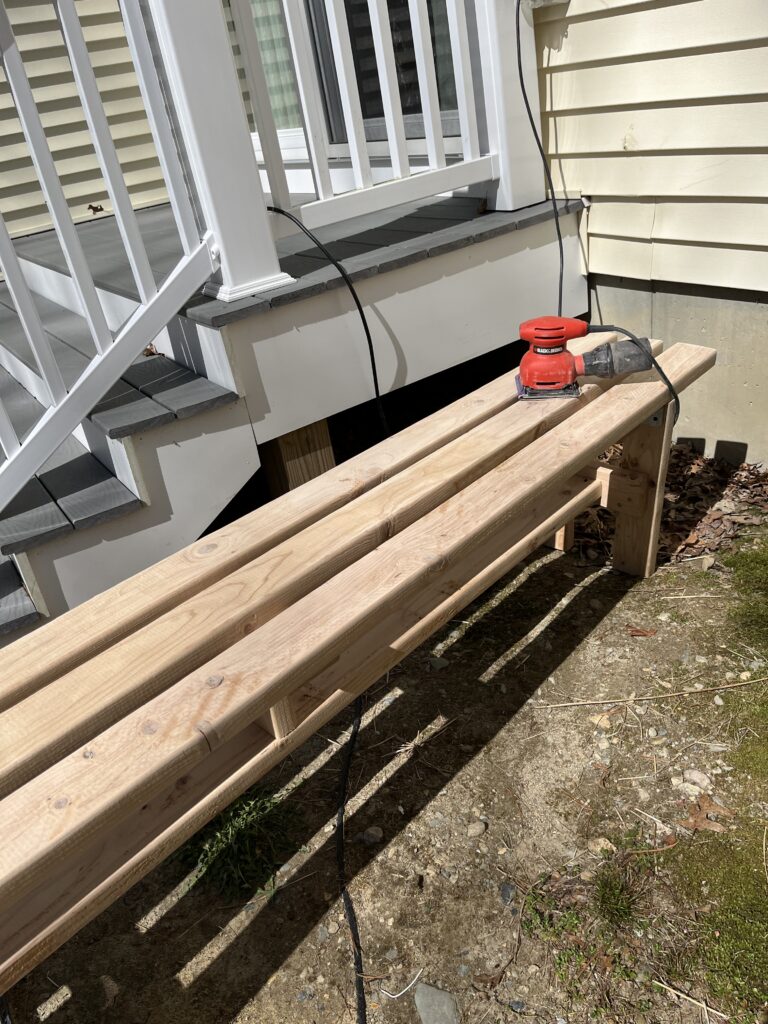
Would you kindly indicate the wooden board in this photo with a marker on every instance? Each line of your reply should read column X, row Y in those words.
column 62, row 810
column 107, row 618
column 295, row 458
column 71, row 899
column 52, row 721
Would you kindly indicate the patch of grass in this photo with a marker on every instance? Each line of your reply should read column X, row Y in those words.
column 239, row 851
column 750, row 574
column 727, row 874
column 616, row 895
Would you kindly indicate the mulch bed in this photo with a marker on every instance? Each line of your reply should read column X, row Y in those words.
column 708, row 504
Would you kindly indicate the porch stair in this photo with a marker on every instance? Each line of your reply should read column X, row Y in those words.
column 75, row 489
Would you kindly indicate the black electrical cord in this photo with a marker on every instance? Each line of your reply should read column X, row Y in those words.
column 363, row 319
column 341, row 869
column 349, row 906
column 602, row 328
column 544, row 161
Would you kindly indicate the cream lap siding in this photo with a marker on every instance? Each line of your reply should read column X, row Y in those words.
column 658, row 111
column 47, row 65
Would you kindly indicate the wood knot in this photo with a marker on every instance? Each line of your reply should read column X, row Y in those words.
column 214, row 681
column 149, row 728
column 61, row 802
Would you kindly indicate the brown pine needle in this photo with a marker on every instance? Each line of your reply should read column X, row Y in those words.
column 655, row 696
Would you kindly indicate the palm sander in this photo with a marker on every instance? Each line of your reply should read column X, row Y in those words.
column 549, row 370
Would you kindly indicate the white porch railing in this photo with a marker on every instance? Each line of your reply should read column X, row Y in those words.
column 216, row 174
column 358, row 175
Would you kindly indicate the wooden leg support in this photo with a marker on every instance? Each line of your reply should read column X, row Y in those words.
column 646, row 451
column 289, row 461
column 296, row 457
column 565, row 538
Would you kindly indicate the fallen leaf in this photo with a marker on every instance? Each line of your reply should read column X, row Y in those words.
column 710, row 806
column 639, row 631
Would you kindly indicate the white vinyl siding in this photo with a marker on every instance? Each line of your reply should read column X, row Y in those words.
column 47, row 65
column 658, row 111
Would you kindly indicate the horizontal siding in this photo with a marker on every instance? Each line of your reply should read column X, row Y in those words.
column 50, row 74
column 659, row 113
column 663, row 28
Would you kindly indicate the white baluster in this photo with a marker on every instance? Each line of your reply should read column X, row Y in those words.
column 245, row 30
column 50, row 185
column 462, row 73
column 390, row 90
column 425, row 69
column 350, row 96
column 101, row 137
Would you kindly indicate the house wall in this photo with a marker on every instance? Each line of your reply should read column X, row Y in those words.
column 657, row 110
column 50, row 74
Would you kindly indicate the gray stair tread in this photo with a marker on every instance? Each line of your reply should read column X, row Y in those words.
column 33, row 517
column 16, row 606
column 180, row 390
column 399, row 237
column 124, row 410
column 104, row 250
column 83, row 488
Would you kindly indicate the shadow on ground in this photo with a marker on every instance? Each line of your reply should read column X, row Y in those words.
column 147, row 966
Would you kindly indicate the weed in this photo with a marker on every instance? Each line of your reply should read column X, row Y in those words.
column 616, row 895
column 239, row 851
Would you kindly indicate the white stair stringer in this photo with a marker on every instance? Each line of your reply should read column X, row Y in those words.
column 186, row 483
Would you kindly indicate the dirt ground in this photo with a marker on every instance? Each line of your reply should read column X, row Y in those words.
column 518, row 856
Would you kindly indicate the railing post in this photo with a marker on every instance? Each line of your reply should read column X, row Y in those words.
column 521, row 179
column 205, row 94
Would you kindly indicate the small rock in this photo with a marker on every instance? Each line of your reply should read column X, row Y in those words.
column 653, row 732
column 476, row 829
column 391, row 954
column 517, row 1005
column 664, row 617
column 719, row 700
column 437, row 820
column 438, row 664
column 305, row 995
column 507, row 891
column 730, row 676
column 587, row 876
column 560, row 1020
column 372, row 835
column 699, row 564
column 322, row 934
column 333, row 927
column 745, row 676
column 701, row 660
column 451, row 873
column 601, row 846
column 643, row 795
column 696, row 778
column 435, row 1006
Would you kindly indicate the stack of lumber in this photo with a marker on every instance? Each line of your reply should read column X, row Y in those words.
column 128, row 723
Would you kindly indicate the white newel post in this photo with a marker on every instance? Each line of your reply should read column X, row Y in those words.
column 205, row 92
column 521, row 179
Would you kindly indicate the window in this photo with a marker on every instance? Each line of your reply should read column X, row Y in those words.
column 273, row 40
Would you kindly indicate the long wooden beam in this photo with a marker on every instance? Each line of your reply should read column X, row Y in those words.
column 46, row 725
column 105, row 619
column 40, row 923
column 80, row 797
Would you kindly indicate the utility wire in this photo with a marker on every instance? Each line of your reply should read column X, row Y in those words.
column 544, row 161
